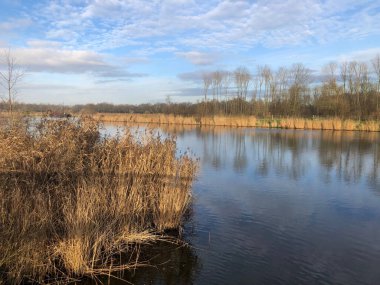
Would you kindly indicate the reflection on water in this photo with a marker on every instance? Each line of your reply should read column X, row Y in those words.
column 345, row 155
column 166, row 263
column 280, row 207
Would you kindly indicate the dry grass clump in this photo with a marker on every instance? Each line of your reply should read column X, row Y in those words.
column 337, row 124
column 298, row 123
column 327, row 124
column 72, row 200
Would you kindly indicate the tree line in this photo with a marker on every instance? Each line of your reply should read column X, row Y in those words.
column 346, row 90
column 349, row 89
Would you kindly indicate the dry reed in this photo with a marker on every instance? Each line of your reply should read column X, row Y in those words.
column 72, row 200
column 245, row 121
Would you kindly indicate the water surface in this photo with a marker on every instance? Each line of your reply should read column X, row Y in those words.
column 277, row 207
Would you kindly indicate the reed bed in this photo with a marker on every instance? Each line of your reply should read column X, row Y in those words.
column 246, row 121
column 73, row 201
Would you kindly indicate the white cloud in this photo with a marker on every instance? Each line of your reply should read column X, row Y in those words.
column 44, row 56
column 198, row 58
column 195, row 24
column 76, row 89
column 365, row 55
column 4, row 44
column 13, row 24
column 193, row 76
column 43, row 44
column 188, row 92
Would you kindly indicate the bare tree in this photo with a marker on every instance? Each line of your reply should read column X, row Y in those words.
column 344, row 74
column 300, row 78
column 226, row 82
column 300, row 75
column 282, row 77
column 358, row 81
column 10, row 76
column 364, row 78
column 330, row 91
column 376, row 68
column 207, row 80
column 217, row 77
column 255, row 81
column 242, row 78
column 330, row 71
column 351, row 69
column 266, row 73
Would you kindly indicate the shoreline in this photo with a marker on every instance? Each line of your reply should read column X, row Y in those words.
column 334, row 124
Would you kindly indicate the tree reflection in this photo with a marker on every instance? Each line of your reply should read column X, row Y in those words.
column 349, row 156
column 240, row 154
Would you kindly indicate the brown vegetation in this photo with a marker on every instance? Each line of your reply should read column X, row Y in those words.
column 71, row 200
column 245, row 121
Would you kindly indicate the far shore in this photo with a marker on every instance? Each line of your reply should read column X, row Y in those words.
column 243, row 121
column 317, row 123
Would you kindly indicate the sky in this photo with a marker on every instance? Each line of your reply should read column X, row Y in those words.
column 131, row 52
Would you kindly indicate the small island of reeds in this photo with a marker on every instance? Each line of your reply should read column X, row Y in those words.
column 73, row 201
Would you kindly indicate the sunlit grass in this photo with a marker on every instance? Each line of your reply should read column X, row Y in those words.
column 246, row 121
column 71, row 201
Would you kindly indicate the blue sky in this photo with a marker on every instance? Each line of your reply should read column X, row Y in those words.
column 127, row 51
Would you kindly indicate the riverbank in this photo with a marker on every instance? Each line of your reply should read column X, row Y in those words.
column 244, row 121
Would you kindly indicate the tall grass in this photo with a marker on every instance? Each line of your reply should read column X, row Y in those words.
column 246, row 121
column 72, row 200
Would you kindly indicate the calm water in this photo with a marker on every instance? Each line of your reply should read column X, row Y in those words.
column 277, row 207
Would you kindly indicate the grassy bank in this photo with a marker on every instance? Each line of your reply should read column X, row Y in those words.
column 72, row 201
column 246, row 121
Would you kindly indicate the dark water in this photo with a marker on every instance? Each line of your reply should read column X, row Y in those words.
column 277, row 207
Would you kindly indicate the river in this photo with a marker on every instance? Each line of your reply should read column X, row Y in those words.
column 276, row 207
